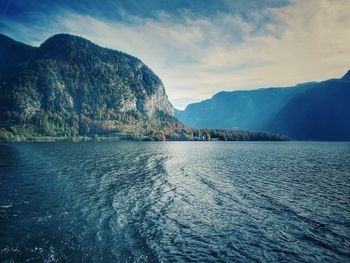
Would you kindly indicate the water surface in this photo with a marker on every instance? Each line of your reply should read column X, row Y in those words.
column 175, row 202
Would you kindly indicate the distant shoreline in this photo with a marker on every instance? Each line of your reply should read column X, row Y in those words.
column 113, row 139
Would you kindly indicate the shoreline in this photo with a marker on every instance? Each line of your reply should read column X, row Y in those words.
column 46, row 139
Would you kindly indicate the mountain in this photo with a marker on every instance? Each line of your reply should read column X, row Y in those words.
column 71, row 88
column 321, row 113
column 245, row 110
column 309, row 111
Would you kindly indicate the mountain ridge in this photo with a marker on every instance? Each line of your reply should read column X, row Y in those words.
column 346, row 76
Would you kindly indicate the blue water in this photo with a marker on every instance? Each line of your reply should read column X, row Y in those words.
column 175, row 202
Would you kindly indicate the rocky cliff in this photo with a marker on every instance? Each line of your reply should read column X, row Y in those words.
column 69, row 86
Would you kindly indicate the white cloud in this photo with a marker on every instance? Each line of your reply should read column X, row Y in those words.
column 197, row 56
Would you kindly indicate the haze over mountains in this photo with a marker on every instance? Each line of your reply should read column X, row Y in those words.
column 309, row 111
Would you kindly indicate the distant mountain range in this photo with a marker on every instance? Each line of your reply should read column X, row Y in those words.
column 70, row 87
column 309, row 111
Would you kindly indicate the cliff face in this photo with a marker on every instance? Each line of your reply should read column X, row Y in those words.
column 70, row 86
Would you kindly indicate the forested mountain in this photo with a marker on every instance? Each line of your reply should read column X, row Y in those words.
column 309, row 111
column 70, row 87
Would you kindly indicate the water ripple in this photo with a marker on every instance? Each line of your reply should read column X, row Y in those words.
column 175, row 202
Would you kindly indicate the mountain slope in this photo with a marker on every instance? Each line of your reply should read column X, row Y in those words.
column 12, row 54
column 321, row 113
column 69, row 86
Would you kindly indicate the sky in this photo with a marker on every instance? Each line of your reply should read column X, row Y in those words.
column 201, row 47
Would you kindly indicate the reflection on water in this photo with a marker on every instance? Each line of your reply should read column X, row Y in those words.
column 175, row 201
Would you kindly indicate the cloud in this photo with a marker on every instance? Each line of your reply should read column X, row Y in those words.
column 197, row 56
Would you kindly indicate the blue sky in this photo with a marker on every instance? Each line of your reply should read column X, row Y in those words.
column 201, row 47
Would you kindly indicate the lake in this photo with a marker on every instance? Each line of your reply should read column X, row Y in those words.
column 175, row 202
